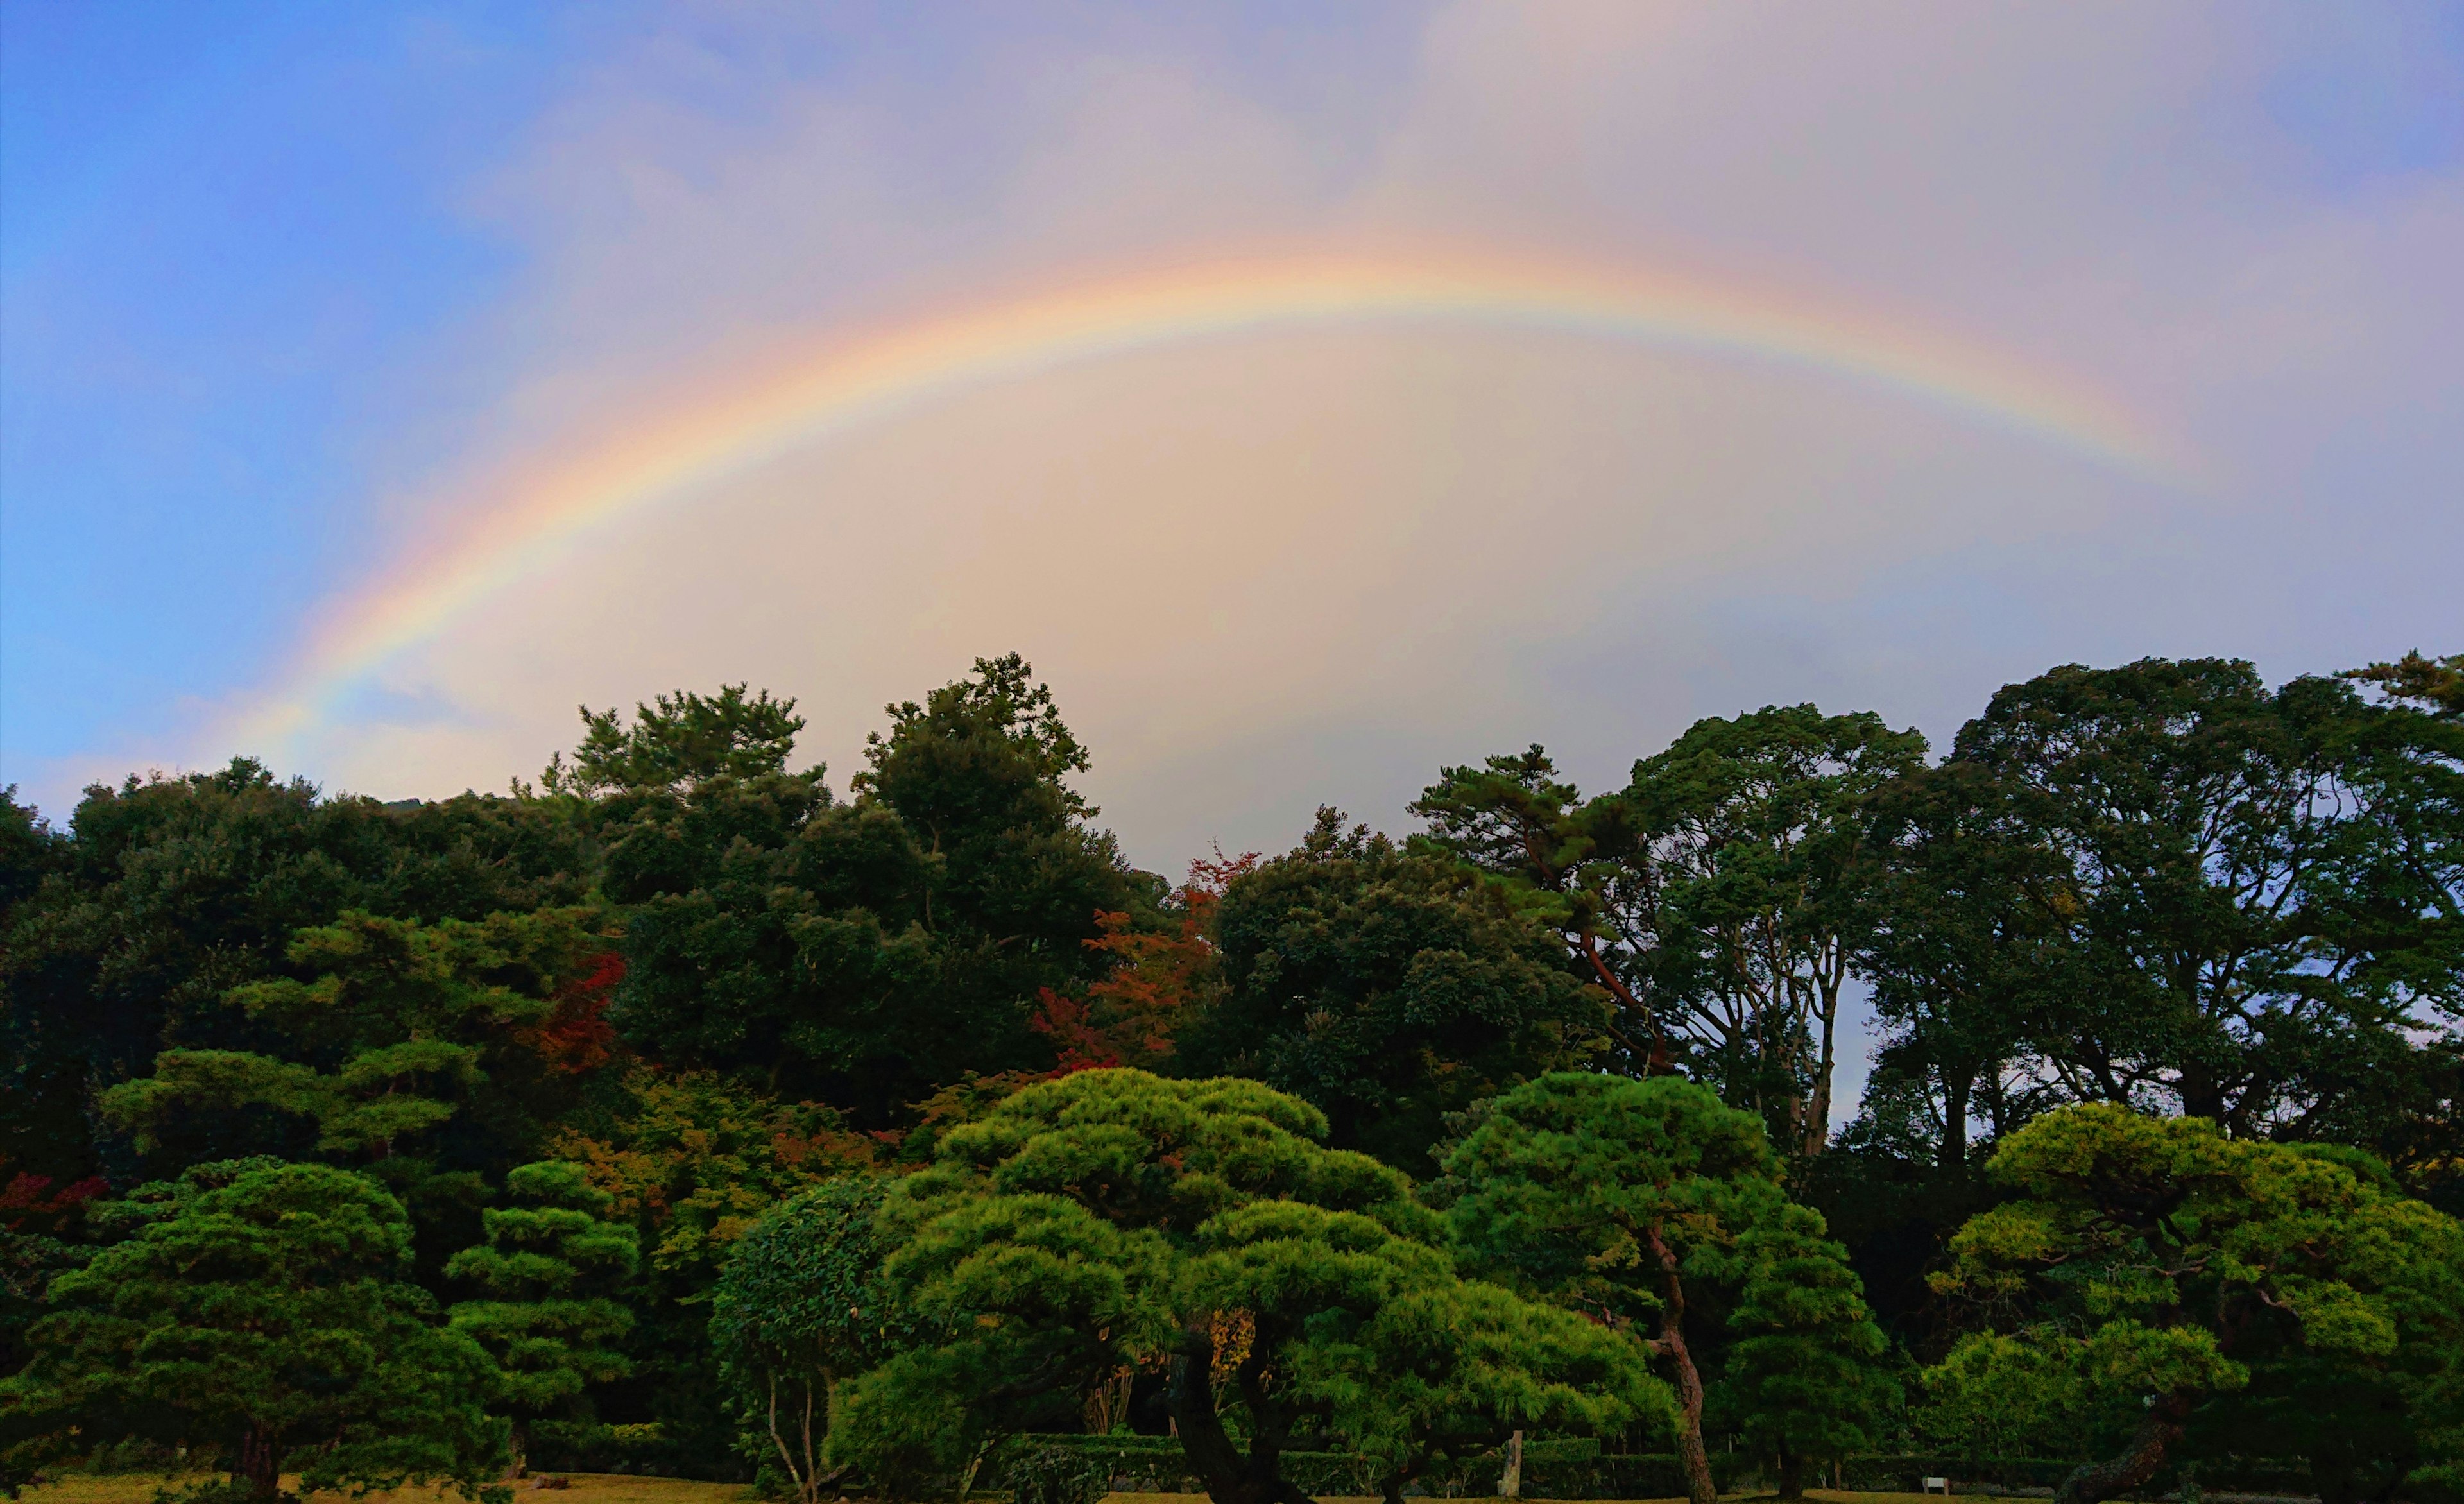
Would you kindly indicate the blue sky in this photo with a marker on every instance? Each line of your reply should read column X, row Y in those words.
column 282, row 286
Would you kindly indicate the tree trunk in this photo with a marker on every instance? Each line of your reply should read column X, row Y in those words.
column 1791, row 1473
column 1671, row 1345
column 256, row 1465
column 1228, row 1477
column 2093, row 1482
column 1955, row 1087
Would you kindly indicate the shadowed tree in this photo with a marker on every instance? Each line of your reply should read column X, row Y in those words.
column 551, row 1267
column 1388, row 989
column 274, row 1317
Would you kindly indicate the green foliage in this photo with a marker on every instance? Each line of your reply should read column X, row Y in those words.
column 2259, row 895
column 550, row 1267
column 2191, row 1262
column 1112, row 1218
column 1996, row 1395
column 804, row 1302
column 1388, row 989
column 867, row 953
column 167, row 894
column 415, row 1053
column 1629, row 1199
column 2161, row 886
column 1714, row 895
column 272, row 1318
column 684, row 741
column 1805, row 1380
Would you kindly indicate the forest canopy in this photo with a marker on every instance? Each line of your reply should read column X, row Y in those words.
column 680, row 1113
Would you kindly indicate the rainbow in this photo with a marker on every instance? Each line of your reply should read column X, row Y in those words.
column 841, row 383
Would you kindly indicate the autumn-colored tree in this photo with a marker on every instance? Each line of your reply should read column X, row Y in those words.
column 1160, row 979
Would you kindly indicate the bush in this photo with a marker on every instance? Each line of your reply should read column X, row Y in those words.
column 1057, row 1475
column 589, row 1447
column 1569, row 1468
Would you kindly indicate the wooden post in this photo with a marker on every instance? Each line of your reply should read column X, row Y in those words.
column 1511, row 1484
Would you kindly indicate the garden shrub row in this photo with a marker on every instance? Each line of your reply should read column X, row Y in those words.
column 1558, row 1469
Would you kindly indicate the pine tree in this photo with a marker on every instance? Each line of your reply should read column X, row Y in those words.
column 549, row 1266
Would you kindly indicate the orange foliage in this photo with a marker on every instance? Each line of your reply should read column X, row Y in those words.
column 1131, row 1015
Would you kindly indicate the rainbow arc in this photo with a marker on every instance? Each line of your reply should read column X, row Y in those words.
column 843, row 383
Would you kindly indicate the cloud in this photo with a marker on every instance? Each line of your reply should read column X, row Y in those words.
column 1276, row 569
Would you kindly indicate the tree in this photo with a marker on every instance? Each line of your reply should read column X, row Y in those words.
column 695, row 1162
column 1112, row 1217
column 1387, row 989
column 1955, row 934
column 550, row 1267
column 2185, row 1257
column 416, row 1052
column 2258, row 895
column 1804, row 1382
column 1713, row 895
column 166, row 894
column 1514, row 820
column 1631, row 1201
column 1996, row 1395
column 1162, row 980
column 865, row 953
column 803, row 1304
column 1749, row 846
column 685, row 741
column 272, row 1317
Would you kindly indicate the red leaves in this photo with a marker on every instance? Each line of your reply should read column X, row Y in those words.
column 576, row 1035
column 25, row 1207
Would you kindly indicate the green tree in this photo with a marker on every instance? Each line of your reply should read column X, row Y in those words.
column 1387, row 989
column 1997, row 1395
column 165, row 895
column 1714, row 895
column 1112, row 1217
column 550, row 1267
column 272, row 1318
column 2259, row 895
column 865, row 953
column 684, row 741
column 2186, row 1259
column 1804, row 1382
column 415, row 1053
column 1955, row 934
column 802, row 1303
column 1633, row 1201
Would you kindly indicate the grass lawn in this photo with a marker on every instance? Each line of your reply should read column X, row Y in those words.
column 587, row 1488
column 609, row 1488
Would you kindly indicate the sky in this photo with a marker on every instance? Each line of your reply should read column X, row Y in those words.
column 1317, row 395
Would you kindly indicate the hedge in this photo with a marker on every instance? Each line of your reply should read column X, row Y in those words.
column 1558, row 1469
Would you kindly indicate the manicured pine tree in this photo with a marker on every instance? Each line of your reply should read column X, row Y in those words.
column 272, row 1318
column 549, row 1266
column 1804, row 1383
